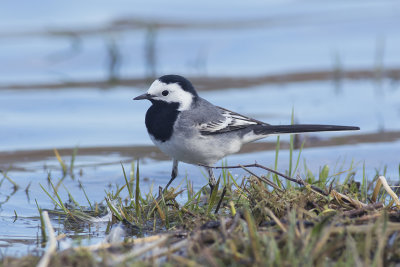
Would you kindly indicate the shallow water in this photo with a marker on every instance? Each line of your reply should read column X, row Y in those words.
column 282, row 36
column 271, row 37
column 37, row 119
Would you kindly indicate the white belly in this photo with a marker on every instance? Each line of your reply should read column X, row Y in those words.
column 204, row 150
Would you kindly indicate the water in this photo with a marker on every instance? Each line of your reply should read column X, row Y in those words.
column 38, row 119
column 272, row 37
column 283, row 37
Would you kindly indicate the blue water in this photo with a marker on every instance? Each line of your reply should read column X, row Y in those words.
column 36, row 119
column 290, row 36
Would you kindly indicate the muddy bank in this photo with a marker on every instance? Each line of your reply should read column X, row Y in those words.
column 217, row 83
column 9, row 158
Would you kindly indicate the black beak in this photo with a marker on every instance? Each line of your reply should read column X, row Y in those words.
column 144, row 96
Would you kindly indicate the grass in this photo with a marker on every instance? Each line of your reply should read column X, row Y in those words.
column 256, row 225
column 327, row 219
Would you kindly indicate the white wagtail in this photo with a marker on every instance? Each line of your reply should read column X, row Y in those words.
column 188, row 128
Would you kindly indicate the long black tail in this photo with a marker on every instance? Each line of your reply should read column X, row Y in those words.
column 300, row 128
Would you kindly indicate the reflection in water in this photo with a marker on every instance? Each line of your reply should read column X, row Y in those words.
column 199, row 63
column 15, row 188
column 114, row 59
column 337, row 73
column 379, row 65
column 74, row 49
column 150, row 52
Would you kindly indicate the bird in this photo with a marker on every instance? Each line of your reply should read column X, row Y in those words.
column 190, row 129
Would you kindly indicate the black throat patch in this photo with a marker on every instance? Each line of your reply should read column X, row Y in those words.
column 160, row 118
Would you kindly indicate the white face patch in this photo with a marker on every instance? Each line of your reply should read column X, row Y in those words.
column 175, row 94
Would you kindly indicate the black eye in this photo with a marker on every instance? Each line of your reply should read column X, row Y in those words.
column 165, row 93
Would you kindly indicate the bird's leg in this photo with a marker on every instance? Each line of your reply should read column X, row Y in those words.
column 212, row 182
column 174, row 173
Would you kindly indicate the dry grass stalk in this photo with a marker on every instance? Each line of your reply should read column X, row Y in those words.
column 45, row 260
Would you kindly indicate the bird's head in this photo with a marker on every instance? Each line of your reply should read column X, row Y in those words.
column 171, row 89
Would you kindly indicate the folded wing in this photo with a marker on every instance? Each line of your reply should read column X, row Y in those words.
column 228, row 122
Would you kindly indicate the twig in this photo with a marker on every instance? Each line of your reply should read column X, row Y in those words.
column 262, row 179
column 333, row 193
column 342, row 198
column 135, row 241
column 44, row 261
column 169, row 249
column 256, row 165
column 135, row 252
column 371, row 217
column 391, row 227
column 389, row 190
column 356, row 212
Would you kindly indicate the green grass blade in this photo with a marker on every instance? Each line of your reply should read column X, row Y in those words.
column 48, row 194
column 137, row 191
column 114, row 210
column 42, row 225
column 277, row 148
column 364, row 188
column 291, row 151
column 16, row 186
column 63, row 166
column 298, row 157
column 72, row 198
column 127, row 182
column 87, row 198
